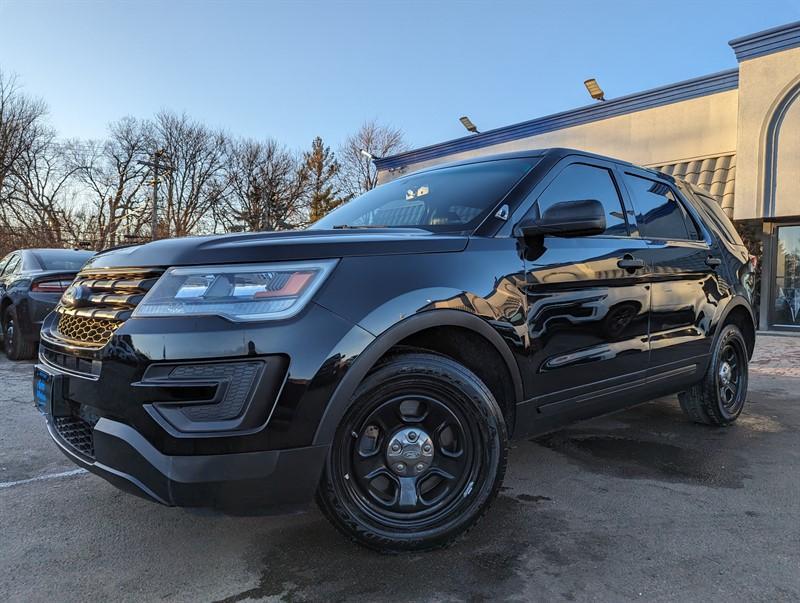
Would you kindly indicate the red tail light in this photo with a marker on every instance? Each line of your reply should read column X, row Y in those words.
column 55, row 286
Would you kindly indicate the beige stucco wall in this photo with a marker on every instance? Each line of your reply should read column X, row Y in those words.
column 668, row 134
column 763, row 83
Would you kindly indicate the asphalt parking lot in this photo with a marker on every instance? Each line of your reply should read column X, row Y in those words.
column 640, row 505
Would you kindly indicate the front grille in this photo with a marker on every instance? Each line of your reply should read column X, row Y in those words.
column 97, row 303
column 87, row 329
column 72, row 364
column 77, row 433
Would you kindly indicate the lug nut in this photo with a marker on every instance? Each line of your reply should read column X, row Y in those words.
column 420, row 466
column 395, row 447
column 412, row 435
column 400, row 467
column 426, row 448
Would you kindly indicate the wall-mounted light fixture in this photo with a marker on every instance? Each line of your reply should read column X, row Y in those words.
column 467, row 123
column 594, row 89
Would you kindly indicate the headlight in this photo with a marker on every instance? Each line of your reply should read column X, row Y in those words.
column 242, row 293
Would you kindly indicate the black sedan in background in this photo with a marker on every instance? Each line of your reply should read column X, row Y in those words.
column 31, row 283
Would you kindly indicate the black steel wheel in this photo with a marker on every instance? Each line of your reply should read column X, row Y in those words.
column 418, row 457
column 9, row 329
column 14, row 344
column 719, row 398
column 732, row 376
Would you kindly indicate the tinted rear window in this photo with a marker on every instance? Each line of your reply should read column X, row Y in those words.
column 67, row 259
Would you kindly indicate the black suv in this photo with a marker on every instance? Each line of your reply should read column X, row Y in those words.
column 381, row 359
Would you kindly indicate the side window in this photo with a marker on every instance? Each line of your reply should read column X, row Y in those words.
column 660, row 213
column 12, row 265
column 4, row 262
column 578, row 182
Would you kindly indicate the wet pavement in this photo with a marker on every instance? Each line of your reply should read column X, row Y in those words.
column 639, row 505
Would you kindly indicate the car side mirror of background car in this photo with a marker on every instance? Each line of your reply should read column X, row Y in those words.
column 581, row 218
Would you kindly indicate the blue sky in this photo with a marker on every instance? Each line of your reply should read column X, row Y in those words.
column 294, row 70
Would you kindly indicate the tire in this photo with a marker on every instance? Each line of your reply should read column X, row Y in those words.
column 15, row 346
column 719, row 398
column 418, row 457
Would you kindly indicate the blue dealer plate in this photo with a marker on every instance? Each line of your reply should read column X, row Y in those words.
column 42, row 389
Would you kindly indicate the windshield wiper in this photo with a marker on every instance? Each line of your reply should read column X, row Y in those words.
column 346, row 226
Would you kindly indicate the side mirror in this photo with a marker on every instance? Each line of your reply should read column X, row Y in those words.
column 566, row 219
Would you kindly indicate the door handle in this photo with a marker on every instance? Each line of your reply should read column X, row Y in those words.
column 713, row 262
column 630, row 263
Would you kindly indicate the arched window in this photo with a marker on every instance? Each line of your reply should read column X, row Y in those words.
column 782, row 169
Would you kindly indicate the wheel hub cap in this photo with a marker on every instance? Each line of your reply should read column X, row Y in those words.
column 725, row 372
column 409, row 452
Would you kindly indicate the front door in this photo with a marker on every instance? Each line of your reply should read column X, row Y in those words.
column 588, row 304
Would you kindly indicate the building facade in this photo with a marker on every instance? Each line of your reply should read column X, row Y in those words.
column 735, row 133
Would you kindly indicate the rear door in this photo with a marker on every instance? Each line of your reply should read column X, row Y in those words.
column 681, row 265
column 588, row 302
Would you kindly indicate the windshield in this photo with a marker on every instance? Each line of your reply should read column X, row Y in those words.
column 67, row 259
column 448, row 199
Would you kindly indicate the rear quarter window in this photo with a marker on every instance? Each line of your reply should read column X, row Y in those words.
column 718, row 219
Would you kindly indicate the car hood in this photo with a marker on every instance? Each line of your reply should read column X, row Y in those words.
column 278, row 246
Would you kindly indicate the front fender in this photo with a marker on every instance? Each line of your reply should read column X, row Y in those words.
column 340, row 400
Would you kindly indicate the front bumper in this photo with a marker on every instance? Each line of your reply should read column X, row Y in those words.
column 127, row 411
column 124, row 380
column 238, row 483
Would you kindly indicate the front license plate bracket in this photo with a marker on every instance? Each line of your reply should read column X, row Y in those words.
column 47, row 390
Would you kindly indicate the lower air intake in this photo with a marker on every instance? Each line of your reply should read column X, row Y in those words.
column 77, row 433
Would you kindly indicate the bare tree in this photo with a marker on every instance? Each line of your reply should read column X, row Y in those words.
column 266, row 187
column 65, row 193
column 115, row 182
column 22, row 129
column 39, row 197
column 195, row 156
column 21, row 125
column 323, row 170
column 358, row 172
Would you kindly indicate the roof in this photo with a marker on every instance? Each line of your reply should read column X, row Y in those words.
column 655, row 97
column 714, row 174
column 556, row 152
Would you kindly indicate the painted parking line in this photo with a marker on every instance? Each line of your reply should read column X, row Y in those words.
column 42, row 478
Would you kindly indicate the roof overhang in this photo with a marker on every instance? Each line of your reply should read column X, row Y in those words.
column 766, row 42
column 655, row 97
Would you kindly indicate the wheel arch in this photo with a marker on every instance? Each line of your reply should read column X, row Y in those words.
column 405, row 331
column 5, row 304
column 738, row 312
